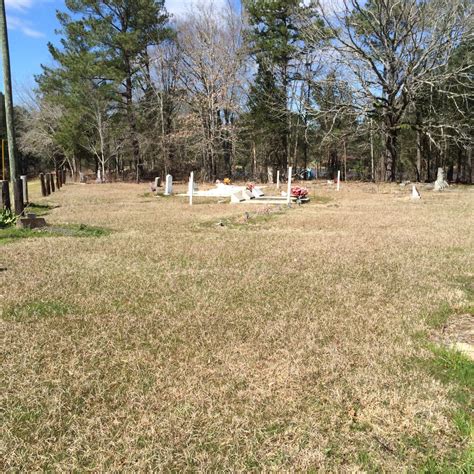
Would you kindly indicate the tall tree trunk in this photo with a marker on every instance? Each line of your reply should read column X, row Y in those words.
column 459, row 169
column 11, row 137
column 391, row 147
column 418, row 156
column 131, row 119
column 226, row 143
column 345, row 159
column 372, row 158
column 469, row 165
column 254, row 161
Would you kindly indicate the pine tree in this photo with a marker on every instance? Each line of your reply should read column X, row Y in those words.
column 277, row 46
column 109, row 40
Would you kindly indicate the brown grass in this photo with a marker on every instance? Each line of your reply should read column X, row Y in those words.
column 284, row 343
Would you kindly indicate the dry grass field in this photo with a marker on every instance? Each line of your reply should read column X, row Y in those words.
column 296, row 340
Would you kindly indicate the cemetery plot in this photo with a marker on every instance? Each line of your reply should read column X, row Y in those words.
column 223, row 338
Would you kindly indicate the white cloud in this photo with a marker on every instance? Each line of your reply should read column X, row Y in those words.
column 19, row 4
column 181, row 7
column 19, row 24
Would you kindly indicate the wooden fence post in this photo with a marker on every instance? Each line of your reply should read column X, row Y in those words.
column 6, row 203
column 18, row 196
column 43, row 185
column 51, row 182
column 58, row 179
column 48, row 184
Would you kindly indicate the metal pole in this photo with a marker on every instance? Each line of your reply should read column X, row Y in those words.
column 191, row 188
column 18, row 198
column 288, row 197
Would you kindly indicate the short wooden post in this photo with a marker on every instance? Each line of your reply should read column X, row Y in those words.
column 51, row 182
column 338, row 180
column 43, row 185
column 191, row 188
column 6, row 203
column 18, row 196
column 24, row 183
column 278, row 179
column 288, row 197
column 58, row 179
column 64, row 175
column 48, row 184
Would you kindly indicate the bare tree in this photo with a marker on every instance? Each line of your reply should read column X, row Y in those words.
column 389, row 51
column 212, row 60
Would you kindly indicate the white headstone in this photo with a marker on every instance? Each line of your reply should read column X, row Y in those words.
column 168, row 185
column 247, row 195
column 338, row 180
column 270, row 174
column 257, row 192
column 237, row 197
column 415, row 194
column 278, row 179
column 24, row 185
column 440, row 182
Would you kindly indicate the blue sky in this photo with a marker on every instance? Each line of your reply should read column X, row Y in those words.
column 31, row 24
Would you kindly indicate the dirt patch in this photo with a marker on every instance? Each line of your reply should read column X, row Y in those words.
column 458, row 333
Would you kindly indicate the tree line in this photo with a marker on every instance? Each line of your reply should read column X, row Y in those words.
column 381, row 90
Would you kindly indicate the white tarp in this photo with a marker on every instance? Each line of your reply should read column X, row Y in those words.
column 221, row 190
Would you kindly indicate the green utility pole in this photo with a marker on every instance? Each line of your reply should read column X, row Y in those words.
column 7, row 80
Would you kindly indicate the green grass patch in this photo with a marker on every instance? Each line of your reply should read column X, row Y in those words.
column 78, row 230
column 12, row 234
column 437, row 319
column 39, row 209
column 455, row 369
column 467, row 285
column 36, row 310
column 366, row 462
column 246, row 220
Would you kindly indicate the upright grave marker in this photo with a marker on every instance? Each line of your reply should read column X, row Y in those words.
column 415, row 194
column 24, row 182
column 278, row 179
column 338, row 180
column 440, row 182
column 169, row 185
